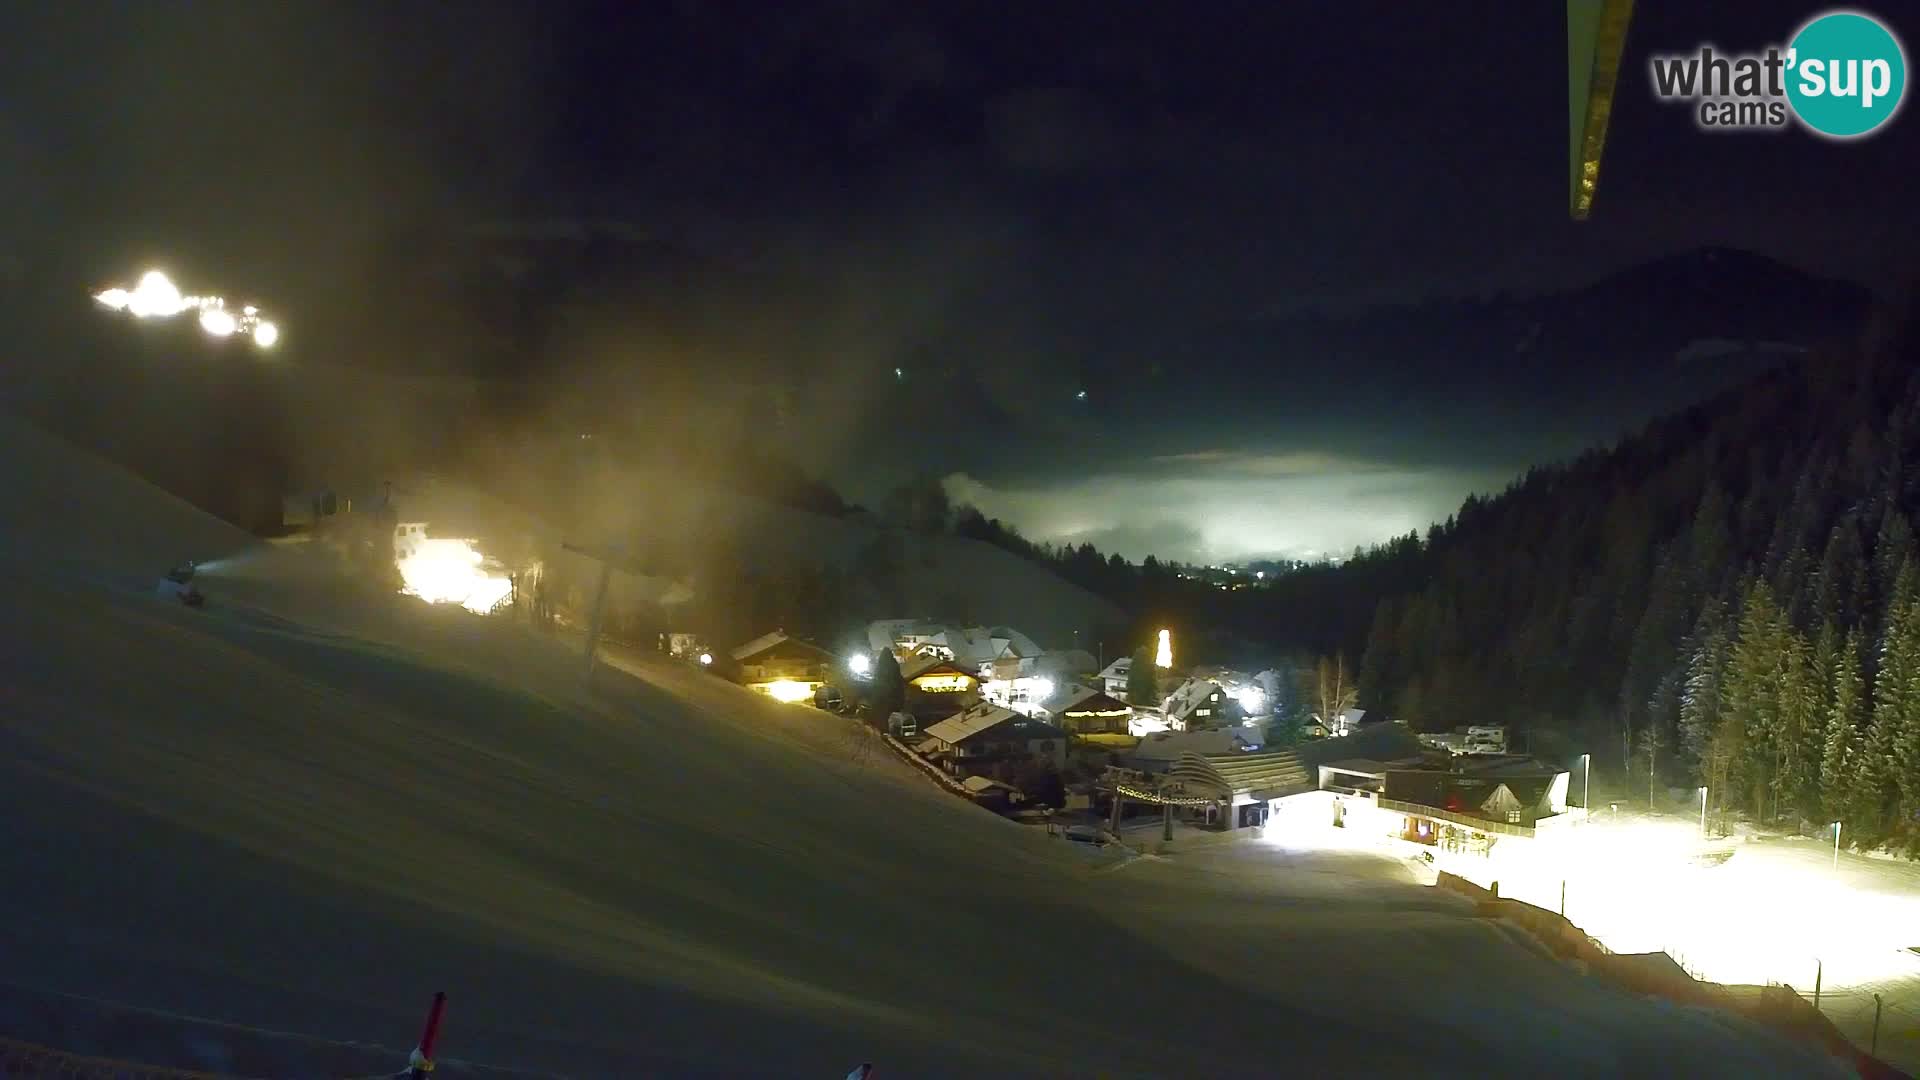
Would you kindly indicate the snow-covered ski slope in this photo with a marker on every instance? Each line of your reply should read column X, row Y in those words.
column 305, row 808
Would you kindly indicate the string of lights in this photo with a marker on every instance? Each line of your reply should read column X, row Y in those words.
column 155, row 296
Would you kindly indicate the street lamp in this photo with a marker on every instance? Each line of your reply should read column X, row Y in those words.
column 1836, row 846
column 1703, row 813
column 1586, row 782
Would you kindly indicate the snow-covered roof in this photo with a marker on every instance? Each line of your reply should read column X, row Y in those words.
column 1019, row 643
column 1191, row 695
column 886, row 633
column 962, row 726
column 979, row 784
column 1118, row 669
column 917, row 666
column 974, row 645
column 777, row 638
column 758, row 645
column 970, row 645
column 1169, row 745
column 1073, row 696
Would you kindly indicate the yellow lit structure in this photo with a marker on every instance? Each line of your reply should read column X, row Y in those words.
column 783, row 668
column 943, row 683
column 791, row 691
column 1163, row 657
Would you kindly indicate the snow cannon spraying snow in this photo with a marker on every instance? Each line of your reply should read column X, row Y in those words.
column 179, row 584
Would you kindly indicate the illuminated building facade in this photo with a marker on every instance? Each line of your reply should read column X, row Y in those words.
column 937, row 688
column 783, row 668
column 1083, row 710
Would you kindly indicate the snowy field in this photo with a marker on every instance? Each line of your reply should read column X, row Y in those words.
column 307, row 807
column 1749, row 910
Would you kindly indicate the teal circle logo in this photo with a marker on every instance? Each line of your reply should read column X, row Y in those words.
column 1846, row 74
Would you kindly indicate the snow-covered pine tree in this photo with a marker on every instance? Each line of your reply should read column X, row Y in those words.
column 1839, row 755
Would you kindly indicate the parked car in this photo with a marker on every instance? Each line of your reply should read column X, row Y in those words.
column 829, row 698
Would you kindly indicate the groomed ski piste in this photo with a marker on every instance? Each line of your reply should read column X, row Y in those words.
column 306, row 806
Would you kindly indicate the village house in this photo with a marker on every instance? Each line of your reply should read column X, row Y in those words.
column 781, row 667
column 1022, row 682
column 1113, row 678
column 1201, row 703
column 902, row 637
column 993, row 794
column 970, row 647
column 937, row 688
column 1083, row 710
column 973, row 741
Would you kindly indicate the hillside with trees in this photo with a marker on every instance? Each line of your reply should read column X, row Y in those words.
column 1730, row 598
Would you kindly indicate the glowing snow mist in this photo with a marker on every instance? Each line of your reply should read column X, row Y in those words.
column 445, row 571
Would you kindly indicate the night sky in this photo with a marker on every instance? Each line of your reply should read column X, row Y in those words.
column 1047, row 197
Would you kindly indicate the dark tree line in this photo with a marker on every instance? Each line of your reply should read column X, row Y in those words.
column 1727, row 599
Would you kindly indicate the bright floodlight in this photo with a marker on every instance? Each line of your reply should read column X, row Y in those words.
column 155, row 297
column 448, row 571
column 218, row 322
column 706, row 659
column 1252, row 698
column 1041, row 690
column 789, row 691
column 859, row 663
column 1163, row 656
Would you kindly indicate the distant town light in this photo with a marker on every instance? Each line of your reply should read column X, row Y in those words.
column 157, row 297
column 218, row 322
